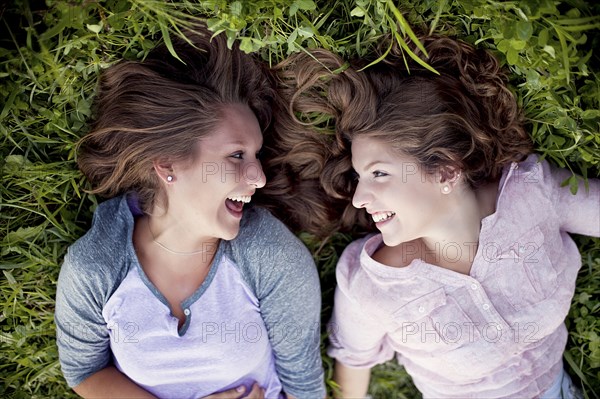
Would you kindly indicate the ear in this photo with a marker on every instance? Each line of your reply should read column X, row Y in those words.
column 449, row 177
column 164, row 170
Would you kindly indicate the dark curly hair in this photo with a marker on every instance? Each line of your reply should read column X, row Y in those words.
column 464, row 117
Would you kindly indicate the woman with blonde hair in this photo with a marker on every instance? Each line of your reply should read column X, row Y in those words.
column 182, row 288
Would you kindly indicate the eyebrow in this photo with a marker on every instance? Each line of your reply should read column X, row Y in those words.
column 370, row 164
column 239, row 143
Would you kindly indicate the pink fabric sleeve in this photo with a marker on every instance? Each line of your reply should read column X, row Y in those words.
column 579, row 213
column 356, row 338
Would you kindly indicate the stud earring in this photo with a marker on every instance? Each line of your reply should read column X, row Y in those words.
column 169, row 178
column 445, row 189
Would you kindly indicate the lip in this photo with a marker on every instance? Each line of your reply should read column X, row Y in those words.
column 384, row 222
column 250, row 194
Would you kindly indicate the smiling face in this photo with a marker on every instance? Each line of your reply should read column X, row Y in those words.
column 208, row 195
column 402, row 199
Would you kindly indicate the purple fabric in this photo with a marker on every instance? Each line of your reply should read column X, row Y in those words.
column 498, row 332
column 134, row 204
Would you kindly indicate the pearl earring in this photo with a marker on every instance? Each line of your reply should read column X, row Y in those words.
column 445, row 189
column 169, row 178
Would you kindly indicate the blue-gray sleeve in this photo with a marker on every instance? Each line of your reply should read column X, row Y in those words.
column 90, row 272
column 283, row 274
column 82, row 336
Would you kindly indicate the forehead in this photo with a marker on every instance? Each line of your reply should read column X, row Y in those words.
column 238, row 126
column 366, row 150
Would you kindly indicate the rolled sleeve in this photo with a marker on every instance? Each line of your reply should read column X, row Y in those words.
column 356, row 338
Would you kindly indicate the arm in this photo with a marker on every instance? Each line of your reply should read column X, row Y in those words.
column 82, row 336
column 353, row 382
column 357, row 338
column 284, row 278
column 579, row 213
column 290, row 303
column 110, row 383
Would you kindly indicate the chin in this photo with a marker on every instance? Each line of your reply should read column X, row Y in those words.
column 390, row 242
column 230, row 233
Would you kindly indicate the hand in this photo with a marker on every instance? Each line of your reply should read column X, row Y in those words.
column 256, row 392
column 353, row 382
column 236, row 393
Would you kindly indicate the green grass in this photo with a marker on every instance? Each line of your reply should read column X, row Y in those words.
column 50, row 57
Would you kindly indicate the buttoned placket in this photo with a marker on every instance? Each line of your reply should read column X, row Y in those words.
column 478, row 296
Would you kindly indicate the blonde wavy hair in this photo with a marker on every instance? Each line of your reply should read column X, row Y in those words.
column 157, row 108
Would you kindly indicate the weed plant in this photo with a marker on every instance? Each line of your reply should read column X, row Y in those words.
column 50, row 57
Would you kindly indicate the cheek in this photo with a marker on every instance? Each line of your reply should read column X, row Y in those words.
column 423, row 195
column 206, row 198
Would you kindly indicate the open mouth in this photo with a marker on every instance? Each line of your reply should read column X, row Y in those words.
column 235, row 205
column 381, row 217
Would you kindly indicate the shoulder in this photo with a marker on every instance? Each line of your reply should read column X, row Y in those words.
column 530, row 182
column 269, row 255
column 107, row 238
column 263, row 235
column 531, row 171
column 257, row 220
column 349, row 264
column 101, row 254
column 538, row 183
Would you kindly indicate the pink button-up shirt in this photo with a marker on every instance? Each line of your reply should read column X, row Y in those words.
column 497, row 332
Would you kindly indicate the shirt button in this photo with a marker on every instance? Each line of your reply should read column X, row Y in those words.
column 186, row 312
column 486, row 306
column 421, row 309
column 473, row 286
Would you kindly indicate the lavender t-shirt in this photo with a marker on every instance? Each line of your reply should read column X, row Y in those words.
column 222, row 344
column 255, row 318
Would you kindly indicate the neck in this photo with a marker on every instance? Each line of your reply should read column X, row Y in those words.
column 176, row 239
column 454, row 243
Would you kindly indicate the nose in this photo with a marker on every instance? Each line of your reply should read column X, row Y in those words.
column 361, row 197
column 254, row 175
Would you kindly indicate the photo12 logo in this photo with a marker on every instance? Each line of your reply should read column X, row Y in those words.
column 467, row 332
column 250, row 172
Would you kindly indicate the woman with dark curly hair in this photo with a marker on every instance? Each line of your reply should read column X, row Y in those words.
column 181, row 288
column 470, row 277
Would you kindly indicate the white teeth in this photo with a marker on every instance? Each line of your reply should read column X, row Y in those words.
column 241, row 198
column 381, row 216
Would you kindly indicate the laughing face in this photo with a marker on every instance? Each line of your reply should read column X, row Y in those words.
column 209, row 195
column 402, row 199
